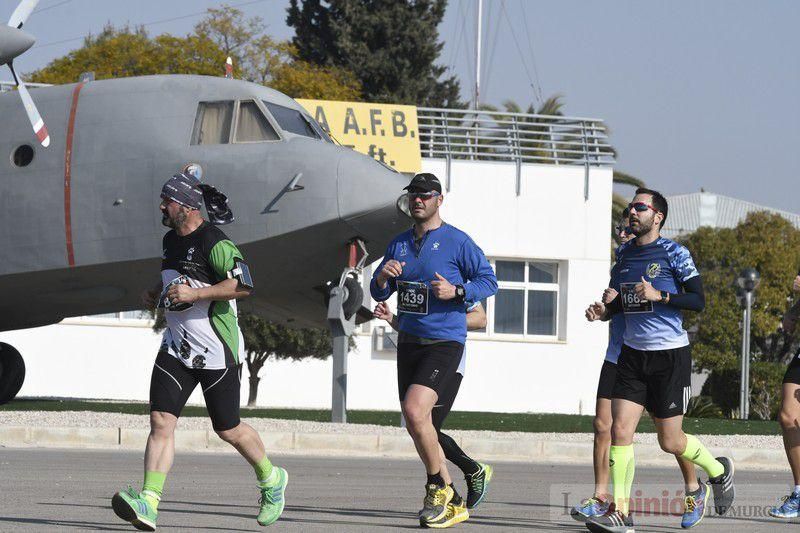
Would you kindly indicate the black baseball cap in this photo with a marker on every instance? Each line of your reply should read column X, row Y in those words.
column 425, row 181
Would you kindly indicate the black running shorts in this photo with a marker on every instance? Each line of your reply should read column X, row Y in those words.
column 172, row 383
column 660, row 380
column 608, row 375
column 445, row 401
column 793, row 371
column 430, row 365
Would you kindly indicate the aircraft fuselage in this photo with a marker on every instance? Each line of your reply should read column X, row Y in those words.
column 81, row 230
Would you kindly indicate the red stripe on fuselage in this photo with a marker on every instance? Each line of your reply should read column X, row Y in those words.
column 68, row 174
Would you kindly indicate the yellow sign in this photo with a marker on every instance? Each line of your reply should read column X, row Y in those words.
column 386, row 132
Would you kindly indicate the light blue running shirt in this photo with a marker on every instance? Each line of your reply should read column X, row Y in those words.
column 667, row 265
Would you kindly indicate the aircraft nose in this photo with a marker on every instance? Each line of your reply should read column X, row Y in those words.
column 367, row 197
column 13, row 42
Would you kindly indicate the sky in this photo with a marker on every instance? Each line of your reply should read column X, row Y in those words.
column 697, row 94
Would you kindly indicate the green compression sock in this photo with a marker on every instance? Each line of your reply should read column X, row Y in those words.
column 699, row 455
column 622, row 470
column 264, row 471
column 153, row 487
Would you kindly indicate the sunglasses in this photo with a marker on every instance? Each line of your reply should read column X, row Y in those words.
column 422, row 195
column 641, row 207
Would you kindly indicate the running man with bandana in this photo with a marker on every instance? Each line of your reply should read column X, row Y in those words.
column 202, row 275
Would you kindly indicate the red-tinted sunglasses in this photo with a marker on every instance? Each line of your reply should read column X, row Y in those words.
column 641, row 207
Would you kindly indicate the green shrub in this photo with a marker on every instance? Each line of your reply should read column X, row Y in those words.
column 703, row 407
column 722, row 386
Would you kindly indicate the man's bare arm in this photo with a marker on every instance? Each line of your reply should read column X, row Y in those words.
column 476, row 318
column 150, row 296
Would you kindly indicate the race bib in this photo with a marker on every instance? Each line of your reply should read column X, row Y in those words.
column 412, row 297
column 165, row 303
column 631, row 303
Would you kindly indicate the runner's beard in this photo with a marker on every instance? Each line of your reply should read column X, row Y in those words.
column 642, row 227
column 174, row 223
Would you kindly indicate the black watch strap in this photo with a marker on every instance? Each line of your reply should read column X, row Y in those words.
column 461, row 293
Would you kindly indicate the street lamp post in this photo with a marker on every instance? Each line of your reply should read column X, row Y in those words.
column 747, row 281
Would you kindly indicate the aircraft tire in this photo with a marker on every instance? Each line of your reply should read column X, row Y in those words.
column 12, row 372
column 355, row 297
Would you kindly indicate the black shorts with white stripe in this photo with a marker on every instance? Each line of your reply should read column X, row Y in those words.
column 660, row 380
column 172, row 383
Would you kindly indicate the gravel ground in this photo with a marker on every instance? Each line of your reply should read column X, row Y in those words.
column 105, row 420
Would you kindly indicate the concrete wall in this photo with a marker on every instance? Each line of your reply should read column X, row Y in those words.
column 549, row 220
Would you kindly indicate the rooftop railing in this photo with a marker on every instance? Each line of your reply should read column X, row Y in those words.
column 513, row 137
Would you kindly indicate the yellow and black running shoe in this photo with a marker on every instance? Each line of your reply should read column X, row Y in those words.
column 434, row 506
column 456, row 513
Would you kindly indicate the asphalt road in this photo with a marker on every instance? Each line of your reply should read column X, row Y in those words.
column 70, row 490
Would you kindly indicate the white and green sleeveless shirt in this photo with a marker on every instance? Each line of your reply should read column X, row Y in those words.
column 205, row 335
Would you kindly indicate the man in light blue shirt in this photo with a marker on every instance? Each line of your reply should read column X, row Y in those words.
column 656, row 279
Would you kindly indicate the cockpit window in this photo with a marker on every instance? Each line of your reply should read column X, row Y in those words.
column 292, row 120
column 252, row 125
column 322, row 132
column 212, row 125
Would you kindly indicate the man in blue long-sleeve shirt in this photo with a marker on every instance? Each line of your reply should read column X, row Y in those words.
column 434, row 268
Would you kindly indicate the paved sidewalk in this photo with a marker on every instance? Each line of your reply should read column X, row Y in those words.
column 116, row 431
column 70, row 490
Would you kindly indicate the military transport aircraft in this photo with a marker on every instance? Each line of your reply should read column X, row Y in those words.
column 81, row 229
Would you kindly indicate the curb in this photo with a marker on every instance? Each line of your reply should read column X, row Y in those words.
column 527, row 449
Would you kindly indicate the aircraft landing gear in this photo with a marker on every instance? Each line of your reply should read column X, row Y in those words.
column 344, row 301
column 12, row 372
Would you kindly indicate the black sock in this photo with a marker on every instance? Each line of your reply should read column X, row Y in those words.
column 436, row 479
column 457, row 456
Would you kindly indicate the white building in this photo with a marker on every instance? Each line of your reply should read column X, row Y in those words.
column 545, row 229
column 687, row 212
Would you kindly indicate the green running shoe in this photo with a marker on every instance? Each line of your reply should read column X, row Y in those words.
column 131, row 507
column 478, row 485
column 272, row 500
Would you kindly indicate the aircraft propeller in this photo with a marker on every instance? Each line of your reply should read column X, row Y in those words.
column 13, row 42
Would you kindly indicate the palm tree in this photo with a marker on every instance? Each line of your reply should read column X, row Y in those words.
column 538, row 137
column 535, row 136
column 618, row 202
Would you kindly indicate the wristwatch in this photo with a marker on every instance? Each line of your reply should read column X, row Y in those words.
column 461, row 294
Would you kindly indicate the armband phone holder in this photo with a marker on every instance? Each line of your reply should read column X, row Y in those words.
column 242, row 274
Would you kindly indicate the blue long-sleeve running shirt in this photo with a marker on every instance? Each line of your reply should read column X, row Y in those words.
column 449, row 252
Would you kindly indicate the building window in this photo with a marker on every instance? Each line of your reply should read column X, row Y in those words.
column 140, row 319
column 527, row 301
